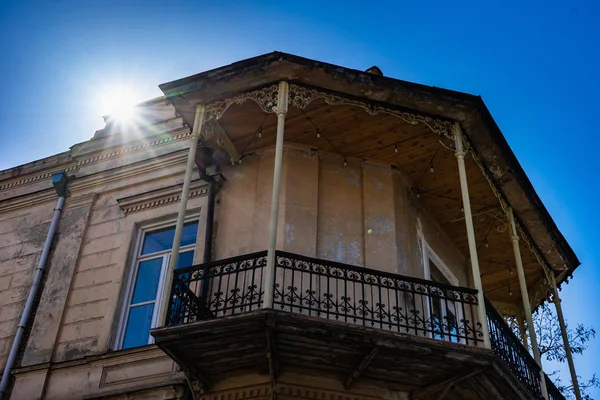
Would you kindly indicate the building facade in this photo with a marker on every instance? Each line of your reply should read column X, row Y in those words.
column 279, row 227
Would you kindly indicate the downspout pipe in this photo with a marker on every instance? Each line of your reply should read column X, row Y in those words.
column 210, row 219
column 215, row 182
column 59, row 180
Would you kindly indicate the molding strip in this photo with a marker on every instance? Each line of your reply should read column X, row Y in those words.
column 160, row 197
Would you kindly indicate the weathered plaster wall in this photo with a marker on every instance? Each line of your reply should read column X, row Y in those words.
column 60, row 267
column 359, row 214
column 340, row 233
column 22, row 235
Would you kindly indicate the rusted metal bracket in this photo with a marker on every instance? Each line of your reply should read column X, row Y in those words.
column 360, row 368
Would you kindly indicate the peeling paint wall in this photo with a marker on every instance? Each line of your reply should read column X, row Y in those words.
column 360, row 214
column 236, row 208
column 340, row 233
column 22, row 236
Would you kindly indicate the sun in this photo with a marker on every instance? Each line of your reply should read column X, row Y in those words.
column 118, row 102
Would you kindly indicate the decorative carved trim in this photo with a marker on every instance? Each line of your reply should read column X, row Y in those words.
column 136, row 148
column 266, row 98
column 48, row 195
column 161, row 197
column 34, row 178
column 301, row 97
column 97, row 158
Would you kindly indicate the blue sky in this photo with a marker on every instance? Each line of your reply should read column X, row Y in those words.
column 534, row 63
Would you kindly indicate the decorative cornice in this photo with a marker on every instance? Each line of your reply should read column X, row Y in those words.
column 160, row 197
column 132, row 149
column 35, row 178
column 35, row 199
column 301, row 97
column 38, row 198
column 74, row 167
column 266, row 98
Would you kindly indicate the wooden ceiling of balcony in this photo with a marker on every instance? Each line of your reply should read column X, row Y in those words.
column 355, row 133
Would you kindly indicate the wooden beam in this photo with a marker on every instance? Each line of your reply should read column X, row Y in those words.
column 481, row 393
column 446, row 384
column 360, row 368
column 272, row 356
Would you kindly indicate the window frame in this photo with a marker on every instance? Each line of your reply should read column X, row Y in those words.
column 429, row 255
column 136, row 258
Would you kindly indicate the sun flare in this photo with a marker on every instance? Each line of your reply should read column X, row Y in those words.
column 119, row 103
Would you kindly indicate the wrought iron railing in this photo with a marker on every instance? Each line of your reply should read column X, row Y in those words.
column 375, row 299
column 553, row 392
column 217, row 289
column 349, row 294
column 510, row 349
column 329, row 290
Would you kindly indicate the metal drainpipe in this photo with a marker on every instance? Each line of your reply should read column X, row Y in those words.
column 210, row 218
column 214, row 184
column 59, row 180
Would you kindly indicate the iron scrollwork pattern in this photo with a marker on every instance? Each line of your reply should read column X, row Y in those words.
column 266, row 98
column 217, row 289
column 375, row 299
column 301, row 97
column 509, row 348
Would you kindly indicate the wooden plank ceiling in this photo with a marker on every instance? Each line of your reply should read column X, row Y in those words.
column 354, row 133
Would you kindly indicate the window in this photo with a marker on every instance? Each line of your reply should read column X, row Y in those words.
column 443, row 311
column 152, row 256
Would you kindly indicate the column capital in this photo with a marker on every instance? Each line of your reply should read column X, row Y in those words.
column 460, row 154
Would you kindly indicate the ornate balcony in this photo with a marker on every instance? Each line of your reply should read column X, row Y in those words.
column 349, row 322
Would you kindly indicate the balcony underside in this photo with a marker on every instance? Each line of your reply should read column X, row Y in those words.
column 272, row 342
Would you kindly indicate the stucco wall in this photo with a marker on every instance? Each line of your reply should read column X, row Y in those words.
column 360, row 214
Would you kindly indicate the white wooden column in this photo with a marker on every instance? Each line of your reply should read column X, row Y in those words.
column 198, row 122
column 563, row 330
column 269, row 278
column 464, row 187
column 525, row 297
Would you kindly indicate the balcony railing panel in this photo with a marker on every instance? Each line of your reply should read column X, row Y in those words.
column 510, row 349
column 375, row 299
column 328, row 290
column 217, row 289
